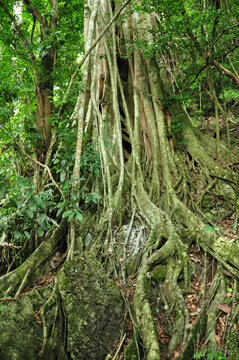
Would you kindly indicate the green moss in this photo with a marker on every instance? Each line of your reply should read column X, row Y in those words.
column 208, row 202
column 159, row 274
column 233, row 342
column 19, row 331
column 130, row 352
column 133, row 264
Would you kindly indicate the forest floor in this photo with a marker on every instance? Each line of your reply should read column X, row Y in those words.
column 193, row 301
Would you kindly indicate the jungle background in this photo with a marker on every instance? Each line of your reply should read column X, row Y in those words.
column 119, row 187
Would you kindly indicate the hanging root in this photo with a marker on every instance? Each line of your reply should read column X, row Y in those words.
column 212, row 313
column 174, row 296
column 46, row 326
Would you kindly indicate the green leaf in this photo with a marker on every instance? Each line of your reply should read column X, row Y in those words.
column 26, row 233
column 59, row 211
column 79, row 216
column 42, row 204
column 42, row 217
column 2, row 307
column 71, row 216
column 73, row 197
column 54, row 222
column 67, row 213
column 229, row 290
column 62, row 175
column 208, row 228
column 30, row 213
column 17, row 235
column 44, row 194
column 32, row 206
column 40, row 231
column 19, row 204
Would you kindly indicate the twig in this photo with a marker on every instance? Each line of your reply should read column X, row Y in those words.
column 16, row 255
column 10, row 299
column 119, row 347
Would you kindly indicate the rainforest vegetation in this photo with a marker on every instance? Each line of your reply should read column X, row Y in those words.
column 119, row 186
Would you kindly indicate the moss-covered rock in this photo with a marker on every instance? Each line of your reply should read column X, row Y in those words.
column 87, row 316
column 20, row 335
column 93, row 307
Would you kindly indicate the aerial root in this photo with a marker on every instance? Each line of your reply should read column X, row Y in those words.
column 46, row 326
column 144, row 316
column 212, row 313
column 141, row 302
column 174, row 296
column 207, row 316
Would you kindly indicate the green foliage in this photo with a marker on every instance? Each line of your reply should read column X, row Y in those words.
column 23, row 212
column 131, row 350
column 90, row 160
column 210, row 354
column 2, row 307
column 210, row 228
column 230, row 95
column 108, row 357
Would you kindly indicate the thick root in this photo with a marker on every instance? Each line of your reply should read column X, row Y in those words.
column 23, row 276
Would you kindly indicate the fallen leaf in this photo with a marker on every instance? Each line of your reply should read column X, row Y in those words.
column 193, row 308
column 225, row 308
column 218, row 340
column 222, row 321
column 175, row 355
column 37, row 317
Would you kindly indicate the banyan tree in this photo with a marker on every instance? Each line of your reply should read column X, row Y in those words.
column 149, row 219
